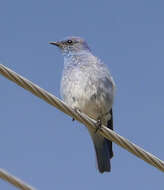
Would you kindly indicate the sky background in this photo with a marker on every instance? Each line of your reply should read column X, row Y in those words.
column 40, row 144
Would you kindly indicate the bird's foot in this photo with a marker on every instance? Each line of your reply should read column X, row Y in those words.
column 77, row 111
column 98, row 125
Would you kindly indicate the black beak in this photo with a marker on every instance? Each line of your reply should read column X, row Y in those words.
column 55, row 43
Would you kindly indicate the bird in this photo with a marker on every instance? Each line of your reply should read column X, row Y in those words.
column 87, row 86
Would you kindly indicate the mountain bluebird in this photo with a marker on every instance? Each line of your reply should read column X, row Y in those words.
column 87, row 86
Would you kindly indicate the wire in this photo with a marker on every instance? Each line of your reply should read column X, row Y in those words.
column 81, row 117
column 14, row 181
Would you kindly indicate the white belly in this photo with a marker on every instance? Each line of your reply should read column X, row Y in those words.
column 92, row 96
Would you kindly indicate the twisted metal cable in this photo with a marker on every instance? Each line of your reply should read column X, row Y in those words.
column 14, row 181
column 81, row 117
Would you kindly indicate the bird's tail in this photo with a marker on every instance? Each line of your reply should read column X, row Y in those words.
column 104, row 153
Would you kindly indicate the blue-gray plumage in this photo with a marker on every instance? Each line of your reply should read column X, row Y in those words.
column 87, row 85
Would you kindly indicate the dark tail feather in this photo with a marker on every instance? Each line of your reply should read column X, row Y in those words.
column 103, row 148
column 103, row 153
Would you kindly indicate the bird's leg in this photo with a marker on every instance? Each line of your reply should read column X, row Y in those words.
column 77, row 111
column 98, row 125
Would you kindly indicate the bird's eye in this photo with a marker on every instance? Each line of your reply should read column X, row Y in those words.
column 69, row 41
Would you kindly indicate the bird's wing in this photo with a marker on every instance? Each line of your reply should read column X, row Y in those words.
column 110, row 126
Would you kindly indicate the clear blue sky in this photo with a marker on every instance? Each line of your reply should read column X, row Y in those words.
column 43, row 146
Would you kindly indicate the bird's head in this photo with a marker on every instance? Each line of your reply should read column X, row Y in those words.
column 71, row 45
